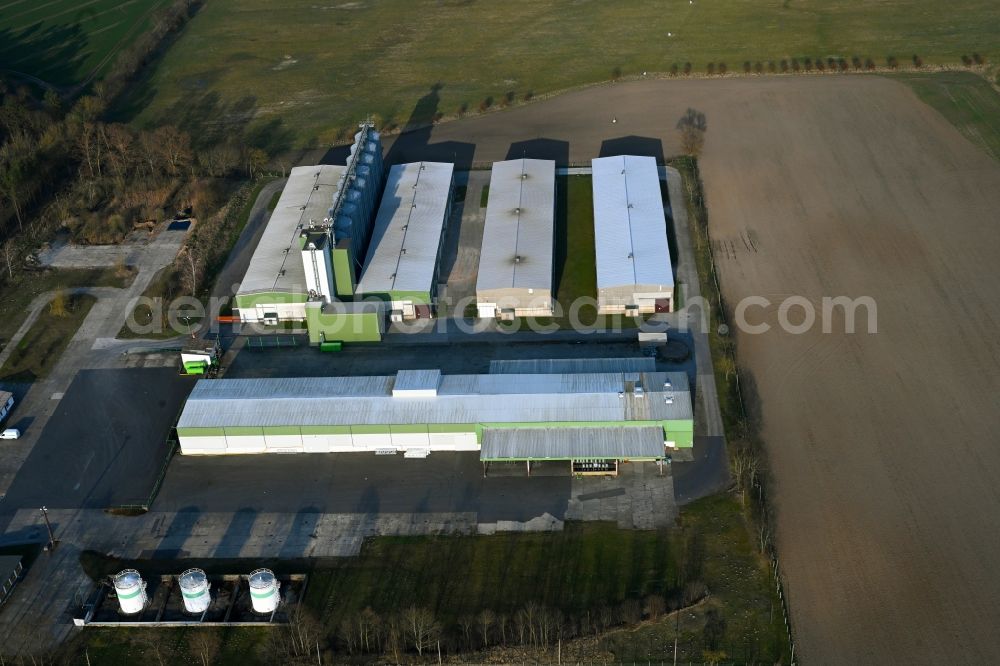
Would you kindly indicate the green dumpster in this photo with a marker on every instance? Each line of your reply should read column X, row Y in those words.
column 195, row 367
column 333, row 346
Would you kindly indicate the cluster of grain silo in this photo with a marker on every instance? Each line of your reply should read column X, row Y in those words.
column 353, row 206
column 130, row 588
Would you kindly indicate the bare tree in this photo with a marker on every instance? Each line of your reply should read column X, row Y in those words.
column 175, row 148
column 467, row 624
column 192, row 269
column 305, row 630
column 484, row 623
column 206, row 644
column 421, row 628
column 8, row 255
column 653, row 606
column 256, row 159
column 348, row 634
column 368, row 625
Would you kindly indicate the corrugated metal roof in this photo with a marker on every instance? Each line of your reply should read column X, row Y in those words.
column 617, row 443
column 630, row 230
column 505, row 398
column 276, row 264
column 411, row 217
column 520, row 219
column 535, row 366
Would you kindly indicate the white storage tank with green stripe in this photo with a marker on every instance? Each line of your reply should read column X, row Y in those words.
column 131, row 591
column 195, row 591
column 264, row 596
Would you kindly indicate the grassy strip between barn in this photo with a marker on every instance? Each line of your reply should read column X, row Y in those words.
column 40, row 348
column 590, row 579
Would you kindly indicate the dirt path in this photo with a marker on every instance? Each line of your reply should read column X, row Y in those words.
column 883, row 446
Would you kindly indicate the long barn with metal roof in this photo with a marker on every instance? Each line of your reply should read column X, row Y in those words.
column 515, row 265
column 589, row 415
column 274, row 286
column 405, row 252
column 634, row 274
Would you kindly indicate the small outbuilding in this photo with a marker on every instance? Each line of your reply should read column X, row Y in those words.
column 634, row 273
column 515, row 265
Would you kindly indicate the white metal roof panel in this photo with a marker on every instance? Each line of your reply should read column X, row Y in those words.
column 276, row 264
column 508, row 398
column 416, row 382
column 404, row 247
column 630, row 230
column 520, row 221
column 620, row 443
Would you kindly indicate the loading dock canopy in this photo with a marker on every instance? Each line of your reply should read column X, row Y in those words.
column 622, row 443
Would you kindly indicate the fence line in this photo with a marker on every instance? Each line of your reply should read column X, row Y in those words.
column 701, row 225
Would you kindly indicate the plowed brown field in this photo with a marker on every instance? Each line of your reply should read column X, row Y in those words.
column 885, row 448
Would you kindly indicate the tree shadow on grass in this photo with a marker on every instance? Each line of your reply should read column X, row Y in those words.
column 48, row 56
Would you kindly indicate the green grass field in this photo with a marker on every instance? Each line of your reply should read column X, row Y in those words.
column 63, row 42
column 576, row 273
column 314, row 69
column 40, row 348
column 968, row 101
column 17, row 294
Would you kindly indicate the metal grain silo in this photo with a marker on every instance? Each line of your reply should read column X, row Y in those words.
column 264, row 595
column 195, row 591
column 131, row 591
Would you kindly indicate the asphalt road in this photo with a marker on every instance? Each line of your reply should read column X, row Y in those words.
column 104, row 444
column 360, row 483
column 471, row 357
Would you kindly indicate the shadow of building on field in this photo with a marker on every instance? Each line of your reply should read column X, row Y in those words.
column 212, row 121
column 541, row 149
column 633, row 145
column 301, row 533
column 237, row 534
column 414, row 143
column 171, row 546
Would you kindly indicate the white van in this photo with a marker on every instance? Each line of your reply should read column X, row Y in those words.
column 10, row 433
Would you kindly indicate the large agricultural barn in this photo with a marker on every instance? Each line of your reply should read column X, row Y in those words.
column 515, row 265
column 403, row 262
column 578, row 415
column 274, row 287
column 634, row 274
column 305, row 263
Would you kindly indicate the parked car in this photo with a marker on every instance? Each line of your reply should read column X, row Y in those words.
column 10, row 433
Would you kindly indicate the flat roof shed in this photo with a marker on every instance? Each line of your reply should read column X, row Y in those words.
column 515, row 265
column 630, row 234
column 405, row 251
column 612, row 443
